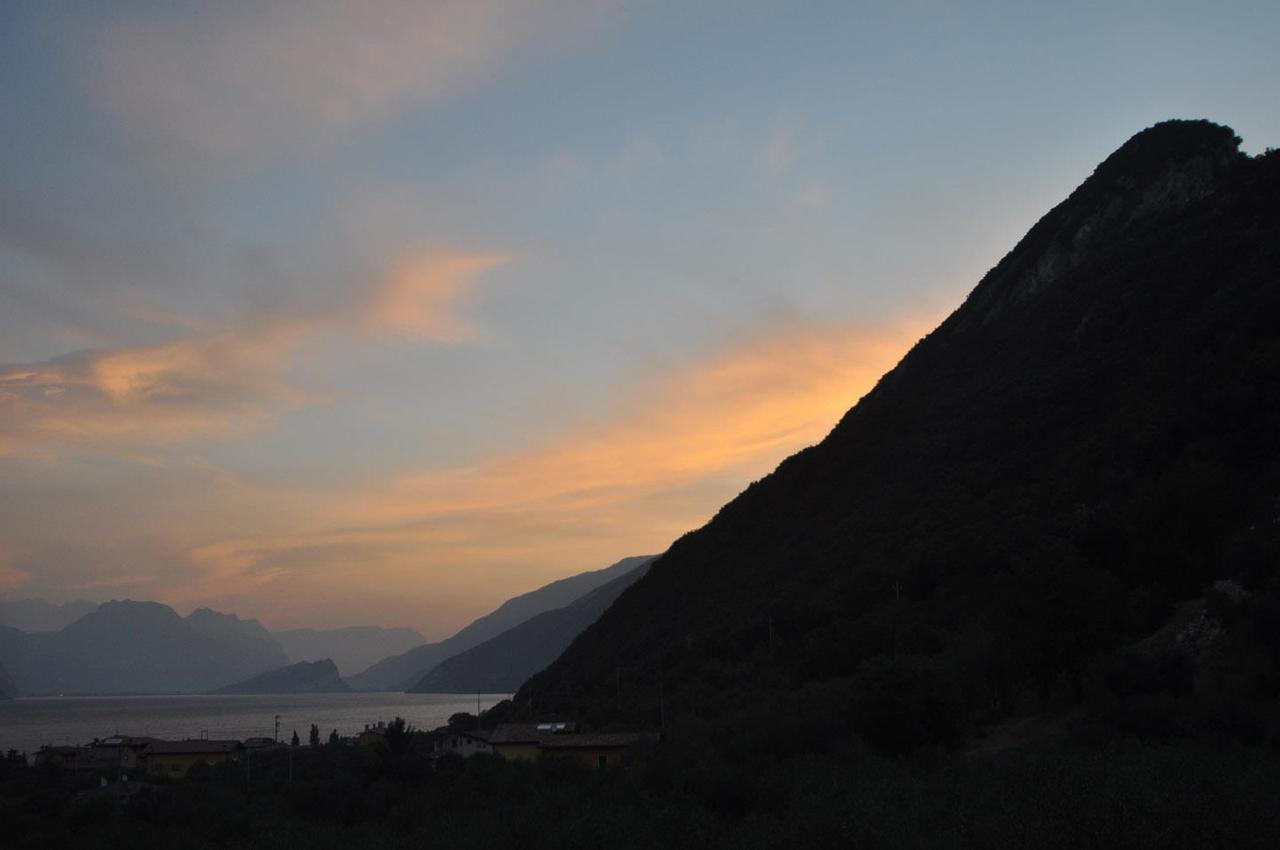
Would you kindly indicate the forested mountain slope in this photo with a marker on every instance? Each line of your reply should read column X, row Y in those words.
column 1091, row 437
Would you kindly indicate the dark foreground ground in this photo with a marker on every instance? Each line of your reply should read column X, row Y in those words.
column 1060, row 793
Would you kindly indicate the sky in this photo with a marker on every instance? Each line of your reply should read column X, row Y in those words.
column 383, row 312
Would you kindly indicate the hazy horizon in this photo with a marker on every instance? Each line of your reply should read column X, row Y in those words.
column 383, row 314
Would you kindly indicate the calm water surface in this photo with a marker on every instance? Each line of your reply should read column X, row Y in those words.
column 26, row 724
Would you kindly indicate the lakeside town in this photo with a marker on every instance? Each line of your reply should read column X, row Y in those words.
column 134, row 760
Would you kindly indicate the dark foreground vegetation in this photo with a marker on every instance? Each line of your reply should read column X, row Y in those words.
column 766, row 791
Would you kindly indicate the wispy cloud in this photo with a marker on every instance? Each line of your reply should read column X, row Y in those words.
column 779, row 151
column 267, row 79
column 201, row 386
column 227, row 381
column 680, row 444
column 116, row 582
column 10, row 576
column 422, row 295
column 734, row 413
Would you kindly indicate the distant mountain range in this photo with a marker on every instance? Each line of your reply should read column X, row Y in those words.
column 504, row 663
column 129, row 647
column 403, row 671
column 352, row 649
column 137, row 647
column 37, row 615
column 305, row 677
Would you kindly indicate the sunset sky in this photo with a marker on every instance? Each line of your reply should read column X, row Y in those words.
column 383, row 312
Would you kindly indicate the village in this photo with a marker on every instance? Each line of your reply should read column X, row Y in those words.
column 126, row 759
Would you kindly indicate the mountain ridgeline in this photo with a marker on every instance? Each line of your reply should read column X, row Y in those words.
column 38, row 615
column 403, row 671
column 305, row 677
column 352, row 649
column 504, row 663
column 1092, row 438
column 126, row 647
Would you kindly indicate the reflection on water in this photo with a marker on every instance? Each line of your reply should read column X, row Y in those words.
column 26, row 724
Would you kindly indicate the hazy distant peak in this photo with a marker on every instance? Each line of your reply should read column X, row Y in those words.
column 121, row 610
column 39, row 615
column 207, row 618
column 313, row 677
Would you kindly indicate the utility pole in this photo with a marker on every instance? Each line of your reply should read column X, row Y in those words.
column 277, row 738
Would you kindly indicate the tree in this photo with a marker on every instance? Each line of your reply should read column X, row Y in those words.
column 334, row 740
column 295, row 742
column 399, row 737
column 314, row 738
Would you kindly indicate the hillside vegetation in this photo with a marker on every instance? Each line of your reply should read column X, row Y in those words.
column 1090, row 440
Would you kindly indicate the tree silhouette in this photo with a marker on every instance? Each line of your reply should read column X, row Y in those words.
column 314, row 738
column 399, row 737
column 334, row 740
column 295, row 742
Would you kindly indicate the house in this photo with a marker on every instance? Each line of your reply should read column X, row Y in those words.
column 176, row 758
column 372, row 735
column 125, row 750
column 526, row 742
column 63, row 757
column 521, row 741
column 108, row 756
column 598, row 750
column 79, row 759
column 463, row 743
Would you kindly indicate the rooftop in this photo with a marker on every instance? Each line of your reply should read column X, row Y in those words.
column 601, row 740
column 201, row 746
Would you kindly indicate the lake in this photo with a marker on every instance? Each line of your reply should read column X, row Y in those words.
column 26, row 724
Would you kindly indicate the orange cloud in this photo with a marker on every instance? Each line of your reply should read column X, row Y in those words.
column 662, row 462
column 222, row 383
column 10, row 576
column 736, row 412
column 422, row 294
column 270, row 78
column 97, row 400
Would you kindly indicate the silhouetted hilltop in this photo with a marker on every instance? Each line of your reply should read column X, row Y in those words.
column 305, row 677
column 401, row 671
column 353, row 648
column 504, row 663
column 243, row 639
column 1091, row 437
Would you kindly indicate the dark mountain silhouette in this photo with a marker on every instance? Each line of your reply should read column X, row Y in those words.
column 37, row 615
column 504, row 663
column 1091, row 437
column 242, row 640
column 305, row 677
column 353, row 648
column 136, row 647
column 8, row 690
column 403, row 671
